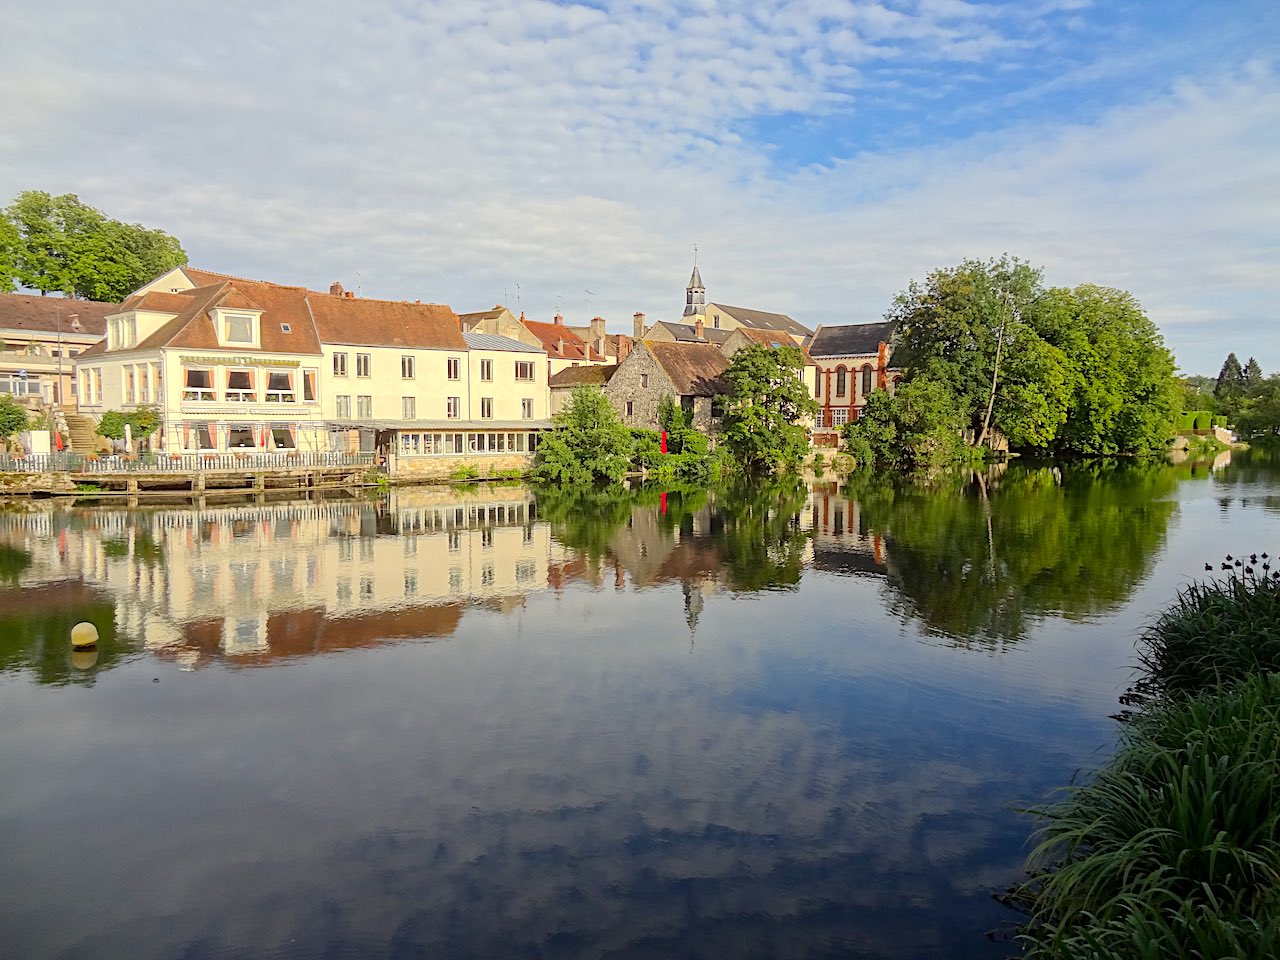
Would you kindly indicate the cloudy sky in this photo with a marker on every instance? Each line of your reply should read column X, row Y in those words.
column 820, row 153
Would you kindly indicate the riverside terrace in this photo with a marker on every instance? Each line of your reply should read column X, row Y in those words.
column 186, row 474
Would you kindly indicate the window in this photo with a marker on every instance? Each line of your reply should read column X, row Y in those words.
column 364, row 407
column 198, row 385
column 842, row 381
column 524, row 369
column 453, row 366
column 283, row 438
column 526, row 408
column 839, row 416
column 866, row 380
column 128, row 385
column 240, row 386
column 453, row 408
column 73, row 352
column 199, row 436
column 406, row 368
column 486, row 369
column 339, row 364
column 240, row 438
column 817, row 383
column 343, row 411
column 715, row 321
column 486, row 408
column 644, row 381
column 280, row 388
column 363, row 365
column 631, row 408
column 237, row 328
column 309, row 385
column 285, row 328
column 409, row 408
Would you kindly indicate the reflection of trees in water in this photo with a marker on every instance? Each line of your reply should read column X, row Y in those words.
column 750, row 527
column 35, row 631
column 981, row 560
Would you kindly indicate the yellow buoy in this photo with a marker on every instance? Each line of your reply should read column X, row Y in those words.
column 84, row 659
column 84, row 635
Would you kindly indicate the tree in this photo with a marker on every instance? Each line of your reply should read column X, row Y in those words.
column 13, row 417
column 767, row 401
column 1252, row 373
column 589, row 444
column 1230, row 379
column 111, row 425
column 917, row 427
column 8, row 255
column 60, row 244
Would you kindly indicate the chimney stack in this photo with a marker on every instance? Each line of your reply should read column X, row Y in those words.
column 335, row 289
column 699, row 328
column 639, row 325
column 624, row 347
column 598, row 334
column 560, row 345
column 559, row 318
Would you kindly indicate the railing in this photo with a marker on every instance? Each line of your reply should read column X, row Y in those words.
column 248, row 462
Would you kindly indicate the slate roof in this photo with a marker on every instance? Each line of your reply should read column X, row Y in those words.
column 687, row 332
column 551, row 334
column 696, row 369
column 763, row 319
column 850, row 340
column 43, row 314
column 595, row 375
column 492, row 341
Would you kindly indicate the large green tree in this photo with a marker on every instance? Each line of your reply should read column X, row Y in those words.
column 61, row 244
column 590, row 444
column 767, row 401
column 916, row 427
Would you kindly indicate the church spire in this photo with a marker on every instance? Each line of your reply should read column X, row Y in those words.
column 695, row 295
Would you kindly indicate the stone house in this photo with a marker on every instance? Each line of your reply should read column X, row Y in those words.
column 569, row 379
column 692, row 374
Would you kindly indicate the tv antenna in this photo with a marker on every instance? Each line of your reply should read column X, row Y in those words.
column 519, row 308
column 359, row 284
column 589, row 296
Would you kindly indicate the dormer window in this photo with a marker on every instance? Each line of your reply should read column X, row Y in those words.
column 285, row 328
column 237, row 328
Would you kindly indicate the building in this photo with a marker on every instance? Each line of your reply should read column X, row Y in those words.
column 853, row 360
column 563, row 347
column 691, row 374
column 248, row 366
column 569, row 379
column 40, row 336
column 719, row 316
column 736, row 340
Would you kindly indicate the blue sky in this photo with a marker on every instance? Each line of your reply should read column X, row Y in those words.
column 821, row 153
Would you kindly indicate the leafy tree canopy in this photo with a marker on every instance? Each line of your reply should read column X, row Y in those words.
column 60, row 244
column 917, row 427
column 1230, row 378
column 13, row 417
column 589, row 444
column 768, row 400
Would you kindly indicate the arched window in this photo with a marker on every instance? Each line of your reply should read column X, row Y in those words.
column 842, row 381
column 866, row 380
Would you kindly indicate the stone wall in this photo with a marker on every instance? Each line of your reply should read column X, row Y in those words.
column 627, row 385
column 442, row 467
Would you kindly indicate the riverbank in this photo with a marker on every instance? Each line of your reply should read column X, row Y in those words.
column 1171, row 849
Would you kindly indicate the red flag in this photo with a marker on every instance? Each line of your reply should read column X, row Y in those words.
column 664, row 441
column 57, row 441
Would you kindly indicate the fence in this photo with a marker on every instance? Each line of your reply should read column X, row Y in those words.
column 180, row 463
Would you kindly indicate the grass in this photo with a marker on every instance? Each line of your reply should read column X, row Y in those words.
column 1215, row 633
column 1174, row 848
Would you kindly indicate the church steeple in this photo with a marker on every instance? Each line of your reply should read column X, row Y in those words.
column 695, row 295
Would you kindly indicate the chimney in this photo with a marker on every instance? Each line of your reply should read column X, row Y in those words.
column 597, row 334
column 335, row 289
column 699, row 329
column 624, row 347
column 638, row 332
column 559, row 318
column 560, row 344
column 348, row 294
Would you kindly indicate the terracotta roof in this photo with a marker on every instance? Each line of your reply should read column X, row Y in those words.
column 696, row 369
column 850, row 340
column 157, row 301
column 763, row 319
column 386, row 323
column 45, row 314
column 281, row 307
column 551, row 336
column 594, row 375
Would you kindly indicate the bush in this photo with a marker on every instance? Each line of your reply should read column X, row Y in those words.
column 1203, row 421
column 1215, row 633
column 465, row 471
column 1172, row 850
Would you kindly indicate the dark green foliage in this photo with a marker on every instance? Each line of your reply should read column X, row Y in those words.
column 671, row 415
column 1252, row 373
column 589, row 444
column 13, row 417
column 1172, row 849
column 1203, row 421
column 112, row 424
column 914, row 428
column 1230, row 379
column 767, row 402
column 1216, row 632
column 61, row 244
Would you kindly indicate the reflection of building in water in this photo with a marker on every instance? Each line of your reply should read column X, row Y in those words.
column 841, row 542
column 267, row 581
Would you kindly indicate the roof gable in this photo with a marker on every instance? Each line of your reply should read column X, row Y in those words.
column 851, row 340
column 593, row 375
column 763, row 319
column 694, row 369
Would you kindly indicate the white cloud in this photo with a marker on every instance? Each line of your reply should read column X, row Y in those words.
column 448, row 151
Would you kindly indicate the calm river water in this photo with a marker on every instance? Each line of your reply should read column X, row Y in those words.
column 778, row 722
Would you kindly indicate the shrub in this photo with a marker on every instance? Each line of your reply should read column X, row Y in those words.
column 1204, row 420
column 1172, row 850
column 465, row 471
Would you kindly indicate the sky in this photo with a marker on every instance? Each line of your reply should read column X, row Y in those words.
column 821, row 154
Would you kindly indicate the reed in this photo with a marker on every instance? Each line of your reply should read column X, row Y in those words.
column 1174, row 848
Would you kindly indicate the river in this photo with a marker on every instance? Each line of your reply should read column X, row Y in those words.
column 774, row 721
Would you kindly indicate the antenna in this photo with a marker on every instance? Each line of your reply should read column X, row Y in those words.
column 506, row 298
column 695, row 254
column 359, row 284
column 558, row 299
column 519, row 308
column 589, row 296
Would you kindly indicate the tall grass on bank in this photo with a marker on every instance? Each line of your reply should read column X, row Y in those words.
column 1215, row 633
column 1173, row 850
